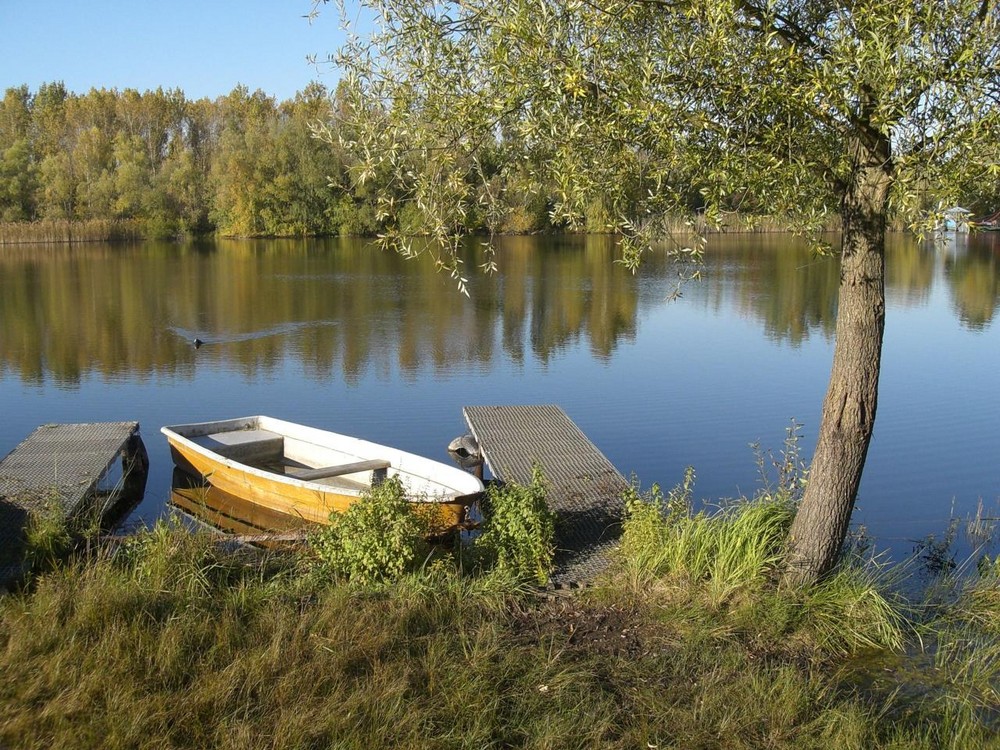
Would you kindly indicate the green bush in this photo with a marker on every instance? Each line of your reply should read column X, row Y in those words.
column 379, row 538
column 519, row 529
column 355, row 218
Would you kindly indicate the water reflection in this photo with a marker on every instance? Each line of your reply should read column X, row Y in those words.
column 973, row 272
column 339, row 304
column 774, row 279
column 343, row 305
column 219, row 510
column 909, row 270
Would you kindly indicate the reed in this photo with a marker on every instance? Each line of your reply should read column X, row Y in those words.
column 963, row 636
column 59, row 231
column 65, row 231
column 737, row 223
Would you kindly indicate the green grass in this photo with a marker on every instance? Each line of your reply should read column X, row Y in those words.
column 689, row 642
column 166, row 642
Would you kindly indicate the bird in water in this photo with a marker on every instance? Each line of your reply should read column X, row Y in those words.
column 198, row 343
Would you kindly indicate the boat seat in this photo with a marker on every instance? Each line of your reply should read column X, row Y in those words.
column 258, row 450
column 376, row 465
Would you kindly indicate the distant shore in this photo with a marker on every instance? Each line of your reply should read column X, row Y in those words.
column 64, row 231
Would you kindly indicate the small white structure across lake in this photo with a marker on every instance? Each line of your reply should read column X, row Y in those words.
column 956, row 219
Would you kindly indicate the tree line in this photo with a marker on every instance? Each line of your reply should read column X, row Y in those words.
column 247, row 165
column 242, row 165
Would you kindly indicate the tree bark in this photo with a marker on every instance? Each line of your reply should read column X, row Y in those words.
column 845, row 430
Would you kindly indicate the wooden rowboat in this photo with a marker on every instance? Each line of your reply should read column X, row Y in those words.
column 311, row 473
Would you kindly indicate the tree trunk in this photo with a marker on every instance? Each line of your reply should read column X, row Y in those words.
column 845, row 430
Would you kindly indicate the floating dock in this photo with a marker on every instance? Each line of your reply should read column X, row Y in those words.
column 62, row 466
column 585, row 489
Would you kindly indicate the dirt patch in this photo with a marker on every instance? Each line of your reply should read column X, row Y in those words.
column 611, row 629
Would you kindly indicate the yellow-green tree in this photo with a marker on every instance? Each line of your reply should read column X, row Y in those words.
column 804, row 107
column 18, row 171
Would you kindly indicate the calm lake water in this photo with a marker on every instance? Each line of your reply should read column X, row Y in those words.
column 338, row 335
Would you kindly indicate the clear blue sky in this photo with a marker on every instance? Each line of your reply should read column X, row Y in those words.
column 204, row 47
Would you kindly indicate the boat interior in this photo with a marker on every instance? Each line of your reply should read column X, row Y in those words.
column 273, row 452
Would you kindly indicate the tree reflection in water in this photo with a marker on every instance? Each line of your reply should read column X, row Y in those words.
column 342, row 305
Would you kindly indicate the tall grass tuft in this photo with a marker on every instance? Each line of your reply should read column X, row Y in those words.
column 47, row 536
column 728, row 561
column 852, row 609
column 735, row 549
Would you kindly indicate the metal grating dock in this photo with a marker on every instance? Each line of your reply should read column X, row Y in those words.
column 61, row 463
column 585, row 488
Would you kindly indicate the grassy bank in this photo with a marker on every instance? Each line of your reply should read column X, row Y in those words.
column 165, row 641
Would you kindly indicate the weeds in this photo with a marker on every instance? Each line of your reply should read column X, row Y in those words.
column 519, row 530
column 937, row 555
column 382, row 537
column 379, row 538
column 786, row 474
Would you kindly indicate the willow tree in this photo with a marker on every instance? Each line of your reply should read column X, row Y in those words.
column 873, row 110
